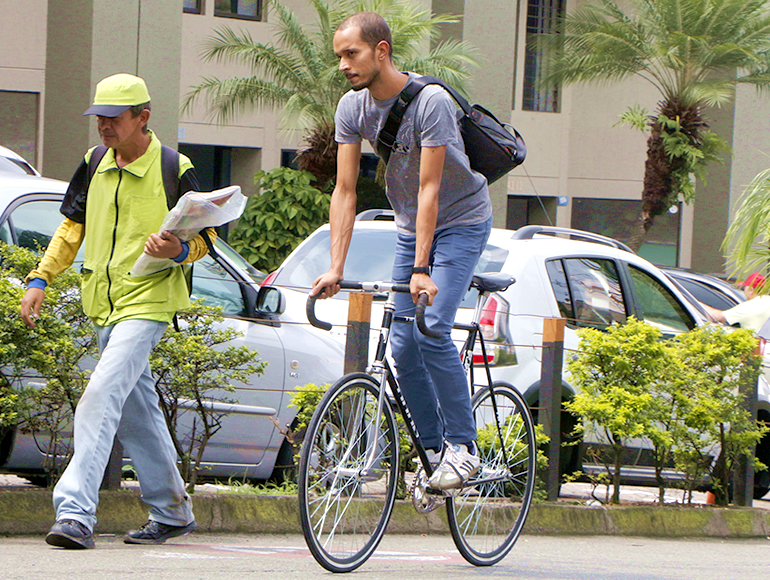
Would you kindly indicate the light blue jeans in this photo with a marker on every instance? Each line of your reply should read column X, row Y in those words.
column 429, row 370
column 121, row 398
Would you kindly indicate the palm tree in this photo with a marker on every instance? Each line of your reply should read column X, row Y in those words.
column 694, row 52
column 299, row 72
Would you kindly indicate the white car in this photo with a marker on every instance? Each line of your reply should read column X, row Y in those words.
column 588, row 279
column 248, row 445
column 12, row 162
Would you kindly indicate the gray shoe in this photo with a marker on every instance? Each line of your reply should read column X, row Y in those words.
column 156, row 533
column 70, row 535
column 457, row 466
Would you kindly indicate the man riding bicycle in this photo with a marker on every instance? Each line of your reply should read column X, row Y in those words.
column 444, row 216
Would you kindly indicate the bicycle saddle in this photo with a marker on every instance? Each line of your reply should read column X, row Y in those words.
column 492, row 282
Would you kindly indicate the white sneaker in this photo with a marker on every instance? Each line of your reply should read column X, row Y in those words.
column 457, row 466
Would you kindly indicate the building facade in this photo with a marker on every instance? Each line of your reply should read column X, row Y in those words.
column 583, row 170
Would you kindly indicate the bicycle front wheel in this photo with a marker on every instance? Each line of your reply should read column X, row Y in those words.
column 487, row 516
column 348, row 474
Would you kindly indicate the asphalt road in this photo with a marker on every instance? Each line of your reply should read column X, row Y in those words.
column 202, row 556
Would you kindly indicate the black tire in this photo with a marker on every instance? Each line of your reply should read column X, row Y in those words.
column 343, row 511
column 486, row 519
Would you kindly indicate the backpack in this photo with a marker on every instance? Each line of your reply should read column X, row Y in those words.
column 169, row 165
column 493, row 148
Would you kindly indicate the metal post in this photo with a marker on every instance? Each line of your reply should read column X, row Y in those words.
column 549, row 415
column 357, row 340
column 114, row 471
column 743, row 472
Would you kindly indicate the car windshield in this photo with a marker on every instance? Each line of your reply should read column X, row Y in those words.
column 15, row 166
column 370, row 258
column 225, row 249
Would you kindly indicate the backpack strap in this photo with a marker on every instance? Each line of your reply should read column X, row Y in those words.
column 96, row 156
column 387, row 135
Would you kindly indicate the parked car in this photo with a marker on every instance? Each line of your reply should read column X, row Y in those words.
column 12, row 162
column 248, row 445
column 588, row 279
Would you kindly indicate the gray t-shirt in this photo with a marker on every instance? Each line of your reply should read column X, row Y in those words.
column 429, row 121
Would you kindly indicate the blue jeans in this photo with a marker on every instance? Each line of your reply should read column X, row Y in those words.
column 429, row 370
column 121, row 398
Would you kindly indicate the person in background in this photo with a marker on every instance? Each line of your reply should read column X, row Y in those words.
column 751, row 314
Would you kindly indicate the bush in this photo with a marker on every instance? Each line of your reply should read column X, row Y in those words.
column 274, row 222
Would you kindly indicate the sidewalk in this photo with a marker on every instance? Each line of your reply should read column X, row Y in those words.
column 25, row 509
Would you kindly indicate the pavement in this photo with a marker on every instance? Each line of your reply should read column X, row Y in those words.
column 26, row 509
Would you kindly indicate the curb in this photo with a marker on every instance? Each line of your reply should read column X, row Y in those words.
column 31, row 512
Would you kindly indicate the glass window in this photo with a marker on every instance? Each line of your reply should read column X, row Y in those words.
column 35, row 222
column 616, row 218
column 192, row 6
column 542, row 17
column 657, row 306
column 594, row 286
column 5, row 233
column 248, row 9
column 217, row 287
column 558, row 278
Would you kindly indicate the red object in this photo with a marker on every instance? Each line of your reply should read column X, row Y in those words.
column 755, row 281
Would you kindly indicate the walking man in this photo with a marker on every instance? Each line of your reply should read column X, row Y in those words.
column 117, row 213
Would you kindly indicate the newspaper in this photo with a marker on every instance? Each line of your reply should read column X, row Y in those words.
column 194, row 212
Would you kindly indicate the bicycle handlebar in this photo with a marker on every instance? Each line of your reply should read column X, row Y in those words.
column 422, row 303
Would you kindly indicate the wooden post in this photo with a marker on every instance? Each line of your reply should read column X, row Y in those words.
column 549, row 415
column 114, row 471
column 357, row 340
column 743, row 472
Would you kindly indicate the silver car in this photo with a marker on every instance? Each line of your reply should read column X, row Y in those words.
column 248, row 445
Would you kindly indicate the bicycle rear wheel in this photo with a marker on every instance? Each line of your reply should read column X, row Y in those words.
column 348, row 474
column 486, row 517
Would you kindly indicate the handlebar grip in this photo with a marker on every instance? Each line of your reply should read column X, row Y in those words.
column 419, row 316
column 310, row 311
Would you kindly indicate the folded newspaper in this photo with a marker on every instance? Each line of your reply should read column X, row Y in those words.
column 194, row 212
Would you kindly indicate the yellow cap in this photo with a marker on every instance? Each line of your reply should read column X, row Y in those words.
column 116, row 94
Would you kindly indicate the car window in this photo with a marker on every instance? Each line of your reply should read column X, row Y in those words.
column 707, row 294
column 35, row 222
column 5, row 233
column 226, row 250
column 213, row 284
column 595, row 292
column 658, row 306
column 558, row 278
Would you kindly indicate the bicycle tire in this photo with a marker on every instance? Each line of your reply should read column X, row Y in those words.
column 486, row 519
column 343, row 511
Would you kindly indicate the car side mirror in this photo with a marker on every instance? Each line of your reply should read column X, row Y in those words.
column 270, row 300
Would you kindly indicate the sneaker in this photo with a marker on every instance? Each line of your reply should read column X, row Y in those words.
column 156, row 533
column 70, row 535
column 456, row 467
column 434, row 458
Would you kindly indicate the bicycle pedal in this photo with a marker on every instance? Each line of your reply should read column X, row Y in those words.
column 424, row 499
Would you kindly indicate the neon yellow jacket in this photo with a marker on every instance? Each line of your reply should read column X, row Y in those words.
column 124, row 206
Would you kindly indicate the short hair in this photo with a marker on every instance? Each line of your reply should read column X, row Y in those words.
column 136, row 110
column 373, row 27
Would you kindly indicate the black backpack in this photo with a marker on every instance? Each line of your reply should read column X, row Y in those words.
column 493, row 148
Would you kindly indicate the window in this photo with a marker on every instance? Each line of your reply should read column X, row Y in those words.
column 216, row 287
column 542, row 18
column 192, row 6
column 616, row 218
column 588, row 291
column 35, row 222
column 246, row 9
column 657, row 306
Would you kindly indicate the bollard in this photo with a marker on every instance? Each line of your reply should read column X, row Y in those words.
column 549, row 415
column 743, row 472
column 114, row 471
column 357, row 338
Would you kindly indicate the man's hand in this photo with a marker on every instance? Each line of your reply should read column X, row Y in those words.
column 163, row 245
column 422, row 284
column 326, row 285
column 30, row 305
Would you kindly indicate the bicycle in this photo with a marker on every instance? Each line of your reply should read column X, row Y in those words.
column 349, row 462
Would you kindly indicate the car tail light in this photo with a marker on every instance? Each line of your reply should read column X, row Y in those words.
column 494, row 327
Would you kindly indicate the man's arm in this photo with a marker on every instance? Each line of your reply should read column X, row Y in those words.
column 59, row 255
column 342, row 215
column 431, row 171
